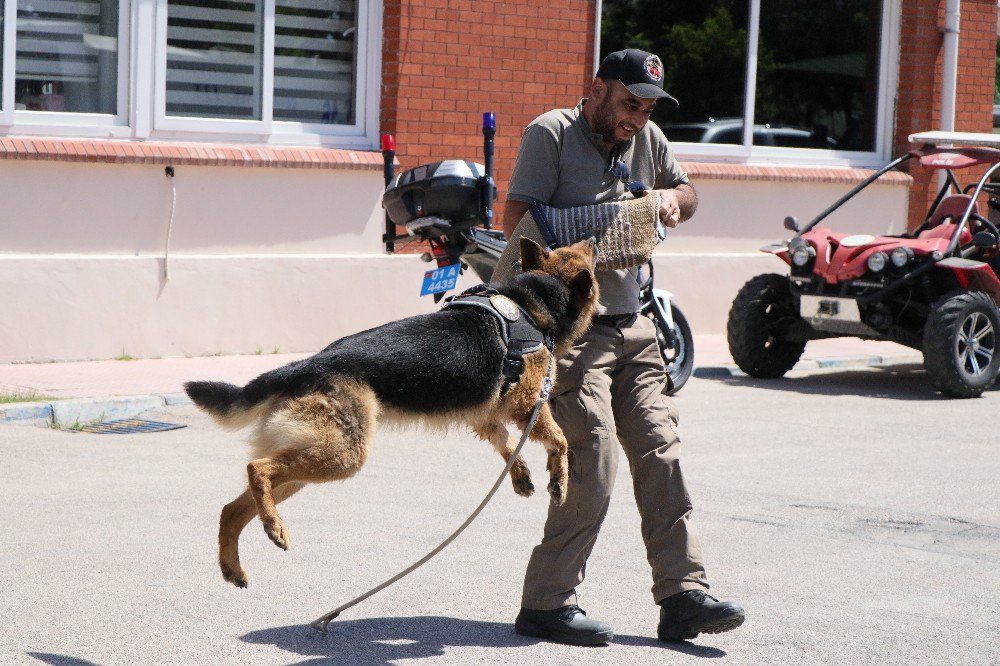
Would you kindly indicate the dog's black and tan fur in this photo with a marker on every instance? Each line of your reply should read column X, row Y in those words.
column 315, row 418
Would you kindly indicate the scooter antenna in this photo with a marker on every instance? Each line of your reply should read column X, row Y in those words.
column 488, row 190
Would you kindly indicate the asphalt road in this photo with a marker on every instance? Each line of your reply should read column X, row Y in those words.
column 855, row 514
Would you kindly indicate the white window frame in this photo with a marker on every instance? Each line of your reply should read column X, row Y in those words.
column 749, row 153
column 59, row 123
column 363, row 134
column 142, row 38
column 257, row 129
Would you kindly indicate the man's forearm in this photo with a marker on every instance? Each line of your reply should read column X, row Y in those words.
column 513, row 211
column 687, row 200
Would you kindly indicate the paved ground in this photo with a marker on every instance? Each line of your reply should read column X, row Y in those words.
column 71, row 393
column 854, row 512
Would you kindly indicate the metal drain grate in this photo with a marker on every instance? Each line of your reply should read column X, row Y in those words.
column 125, row 426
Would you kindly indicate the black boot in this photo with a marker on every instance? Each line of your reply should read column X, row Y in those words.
column 687, row 614
column 568, row 624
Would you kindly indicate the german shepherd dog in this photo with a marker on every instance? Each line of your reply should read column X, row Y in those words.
column 315, row 418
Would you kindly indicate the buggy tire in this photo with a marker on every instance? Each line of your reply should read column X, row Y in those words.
column 962, row 344
column 679, row 361
column 762, row 310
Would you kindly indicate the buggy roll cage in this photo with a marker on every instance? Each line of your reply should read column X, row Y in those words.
column 940, row 150
column 937, row 151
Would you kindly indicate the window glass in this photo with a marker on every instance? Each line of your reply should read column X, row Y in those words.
column 315, row 43
column 214, row 58
column 703, row 46
column 996, row 88
column 817, row 68
column 67, row 56
column 817, row 73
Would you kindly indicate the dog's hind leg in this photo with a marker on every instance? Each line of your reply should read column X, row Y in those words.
column 548, row 432
column 235, row 517
column 505, row 445
column 328, row 436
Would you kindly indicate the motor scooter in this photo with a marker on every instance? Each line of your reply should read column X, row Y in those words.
column 449, row 206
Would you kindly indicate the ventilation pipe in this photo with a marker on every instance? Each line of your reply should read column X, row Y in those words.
column 949, row 73
column 949, row 77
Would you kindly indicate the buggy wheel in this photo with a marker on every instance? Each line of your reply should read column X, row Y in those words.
column 961, row 344
column 761, row 314
column 679, row 356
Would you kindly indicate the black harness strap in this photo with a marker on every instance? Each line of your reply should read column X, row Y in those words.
column 538, row 214
column 521, row 336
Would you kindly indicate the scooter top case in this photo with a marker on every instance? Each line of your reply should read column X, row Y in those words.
column 448, row 189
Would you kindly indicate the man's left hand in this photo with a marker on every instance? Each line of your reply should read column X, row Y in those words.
column 670, row 208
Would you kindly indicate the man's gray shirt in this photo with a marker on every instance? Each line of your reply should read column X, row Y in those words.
column 563, row 163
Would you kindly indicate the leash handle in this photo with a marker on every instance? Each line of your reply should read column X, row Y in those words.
column 321, row 623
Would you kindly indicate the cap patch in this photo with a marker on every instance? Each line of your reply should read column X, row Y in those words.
column 654, row 68
column 507, row 308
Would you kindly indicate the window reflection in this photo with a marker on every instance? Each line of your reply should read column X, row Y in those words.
column 315, row 61
column 215, row 58
column 703, row 46
column 67, row 56
column 817, row 71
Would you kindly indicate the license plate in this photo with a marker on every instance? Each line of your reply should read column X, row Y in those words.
column 815, row 309
column 440, row 279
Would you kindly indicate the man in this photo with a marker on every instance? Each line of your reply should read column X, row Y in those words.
column 610, row 388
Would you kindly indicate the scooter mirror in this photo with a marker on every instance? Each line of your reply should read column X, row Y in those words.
column 792, row 223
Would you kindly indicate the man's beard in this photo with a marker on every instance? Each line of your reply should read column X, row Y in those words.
column 604, row 122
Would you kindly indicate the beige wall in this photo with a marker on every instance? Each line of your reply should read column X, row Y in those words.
column 706, row 260
column 259, row 259
column 291, row 259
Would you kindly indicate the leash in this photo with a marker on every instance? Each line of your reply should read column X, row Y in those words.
column 321, row 623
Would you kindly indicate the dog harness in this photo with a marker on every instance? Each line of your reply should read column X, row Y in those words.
column 518, row 330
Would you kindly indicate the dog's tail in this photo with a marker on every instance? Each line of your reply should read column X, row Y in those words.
column 228, row 404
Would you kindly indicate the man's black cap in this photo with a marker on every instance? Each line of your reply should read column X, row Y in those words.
column 641, row 72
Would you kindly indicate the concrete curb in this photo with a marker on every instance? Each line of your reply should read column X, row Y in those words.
column 833, row 363
column 67, row 413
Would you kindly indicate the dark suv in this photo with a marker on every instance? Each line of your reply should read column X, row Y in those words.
column 730, row 130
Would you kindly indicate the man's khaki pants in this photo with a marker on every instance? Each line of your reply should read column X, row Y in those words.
column 609, row 390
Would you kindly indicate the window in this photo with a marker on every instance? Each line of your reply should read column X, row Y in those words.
column 799, row 74
column 266, row 67
column 215, row 60
column 280, row 71
column 65, row 58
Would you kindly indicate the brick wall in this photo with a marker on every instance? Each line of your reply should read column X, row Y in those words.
column 918, row 105
column 445, row 62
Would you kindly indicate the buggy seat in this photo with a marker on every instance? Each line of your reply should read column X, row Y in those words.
column 950, row 210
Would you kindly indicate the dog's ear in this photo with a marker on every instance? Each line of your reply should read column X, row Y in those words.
column 533, row 255
column 581, row 287
column 588, row 247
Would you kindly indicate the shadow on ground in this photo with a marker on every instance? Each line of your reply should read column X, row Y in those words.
column 390, row 639
column 890, row 382
column 60, row 659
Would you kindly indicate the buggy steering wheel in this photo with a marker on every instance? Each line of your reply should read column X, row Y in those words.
column 983, row 222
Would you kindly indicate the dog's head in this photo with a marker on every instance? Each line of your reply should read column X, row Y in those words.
column 573, row 267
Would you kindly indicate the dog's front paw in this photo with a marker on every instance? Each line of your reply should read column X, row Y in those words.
column 557, row 489
column 523, row 486
column 520, row 476
column 278, row 533
column 237, row 577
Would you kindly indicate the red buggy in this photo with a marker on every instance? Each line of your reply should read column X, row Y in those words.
column 934, row 289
